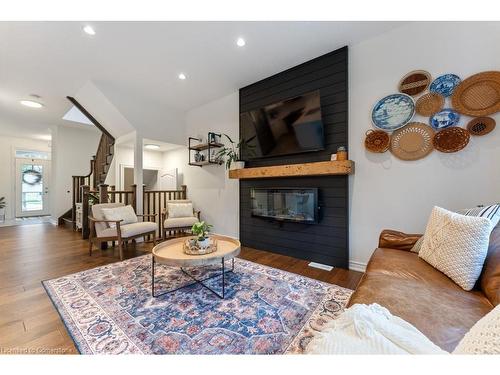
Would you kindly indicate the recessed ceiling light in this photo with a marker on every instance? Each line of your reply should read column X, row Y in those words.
column 182, row 76
column 31, row 104
column 89, row 30
column 152, row 147
column 240, row 42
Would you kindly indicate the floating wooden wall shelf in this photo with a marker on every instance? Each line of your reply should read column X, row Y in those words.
column 322, row 168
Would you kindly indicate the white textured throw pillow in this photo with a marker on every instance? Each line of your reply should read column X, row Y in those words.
column 456, row 245
column 483, row 337
column 491, row 212
column 180, row 210
column 125, row 213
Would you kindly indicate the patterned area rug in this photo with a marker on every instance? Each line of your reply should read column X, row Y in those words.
column 109, row 310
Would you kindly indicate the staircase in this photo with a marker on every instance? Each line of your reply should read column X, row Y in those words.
column 99, row 168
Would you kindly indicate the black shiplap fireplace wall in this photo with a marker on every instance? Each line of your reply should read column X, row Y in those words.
column 327, row 241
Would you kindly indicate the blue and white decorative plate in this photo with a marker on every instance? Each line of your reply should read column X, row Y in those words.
column 444, row 119
column 393, row 112
column 445, row 84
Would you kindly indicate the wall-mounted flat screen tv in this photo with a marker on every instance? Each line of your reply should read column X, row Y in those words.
column 287, row 127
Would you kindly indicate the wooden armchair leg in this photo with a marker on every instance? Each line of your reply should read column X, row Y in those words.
column 91, row 237
column 90, row 246
column 120, row 249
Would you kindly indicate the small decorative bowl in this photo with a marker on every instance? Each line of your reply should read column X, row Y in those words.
column 377, row 141
column 191, row 247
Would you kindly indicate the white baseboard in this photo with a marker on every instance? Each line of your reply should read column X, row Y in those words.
column 321, row 266
column 354, row 266
column 357, row 266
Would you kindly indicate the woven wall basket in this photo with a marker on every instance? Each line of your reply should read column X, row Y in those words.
column 429, row 104
column 412, row 142
column 451, row 139
column 481, row 125
column 414, row 82
column 478, row 95
column 377, row 141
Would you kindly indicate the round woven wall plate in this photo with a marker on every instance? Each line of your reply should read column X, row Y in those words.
column 377, row 141
column 478, row 95
column 429, row 104
column 414, row 82
column 451, row 139
column 481, row 125
column 412, row 142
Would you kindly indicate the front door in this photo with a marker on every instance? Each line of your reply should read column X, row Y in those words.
column 32, row 187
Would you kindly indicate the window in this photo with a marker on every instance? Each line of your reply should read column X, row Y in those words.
column 31, row 154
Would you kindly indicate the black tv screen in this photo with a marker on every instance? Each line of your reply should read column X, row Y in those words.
column 288, row 127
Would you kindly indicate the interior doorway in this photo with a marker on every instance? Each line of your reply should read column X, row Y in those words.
column 153, row 178
column 149, row 176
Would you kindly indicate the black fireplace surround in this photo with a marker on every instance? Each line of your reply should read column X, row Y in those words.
column 283, row 230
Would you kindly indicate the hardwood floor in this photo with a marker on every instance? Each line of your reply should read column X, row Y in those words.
column 28, row 321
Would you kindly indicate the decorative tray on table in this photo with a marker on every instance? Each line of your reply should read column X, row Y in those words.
column 191, row 247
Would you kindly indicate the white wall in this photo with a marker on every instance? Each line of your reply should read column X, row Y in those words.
column 209, row 187
column 386, row 192
column 8, row 145
column 72, row 150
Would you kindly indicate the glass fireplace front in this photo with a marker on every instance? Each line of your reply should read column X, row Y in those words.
column 286, row 204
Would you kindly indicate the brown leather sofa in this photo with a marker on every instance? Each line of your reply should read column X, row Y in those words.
column 423, row 296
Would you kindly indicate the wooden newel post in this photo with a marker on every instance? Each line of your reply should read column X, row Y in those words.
column 73, row 203
column 184, row 191
column 103, row 193
column 85, row 189
column 134, row 196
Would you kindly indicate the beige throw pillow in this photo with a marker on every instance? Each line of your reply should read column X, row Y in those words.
column 483, row 337
column 456, row 245
column 180, row 210
column 418, row 245
column 125, row 213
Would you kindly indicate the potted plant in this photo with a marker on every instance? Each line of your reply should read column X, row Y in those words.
column 201, row 230
column 232, row 154
column 2, row 208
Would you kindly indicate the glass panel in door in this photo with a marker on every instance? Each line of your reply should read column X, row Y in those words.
column 32, row 188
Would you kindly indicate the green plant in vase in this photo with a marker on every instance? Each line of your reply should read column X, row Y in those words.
column 201, row 231
column 231, row 155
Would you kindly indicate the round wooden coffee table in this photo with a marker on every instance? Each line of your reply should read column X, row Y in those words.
column 171, row 253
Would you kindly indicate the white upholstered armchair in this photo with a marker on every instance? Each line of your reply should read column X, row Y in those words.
column 179, row 215
column 117, row 222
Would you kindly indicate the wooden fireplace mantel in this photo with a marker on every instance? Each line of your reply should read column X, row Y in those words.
column 321, row 168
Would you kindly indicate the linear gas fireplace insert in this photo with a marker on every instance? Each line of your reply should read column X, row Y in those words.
column 298, row 205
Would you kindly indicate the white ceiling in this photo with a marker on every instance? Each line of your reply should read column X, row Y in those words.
column 136, row 64
column 163, row 146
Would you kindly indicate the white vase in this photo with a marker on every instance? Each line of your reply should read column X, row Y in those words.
column 237, row 165
column 204, row 244
column 2, row 214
